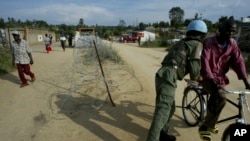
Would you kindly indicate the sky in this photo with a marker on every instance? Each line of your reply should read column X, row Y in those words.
column 110, row 12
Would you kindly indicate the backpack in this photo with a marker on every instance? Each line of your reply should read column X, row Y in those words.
column 177, row 58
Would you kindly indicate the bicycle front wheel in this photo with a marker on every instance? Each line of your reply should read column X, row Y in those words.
column 226, row 133
column 193, row 107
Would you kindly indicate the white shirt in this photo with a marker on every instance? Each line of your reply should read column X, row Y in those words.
column 47, row 40
column 21, row 52
column 62, row 38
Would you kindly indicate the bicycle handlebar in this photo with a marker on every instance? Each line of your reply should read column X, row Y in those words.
column 196, row 84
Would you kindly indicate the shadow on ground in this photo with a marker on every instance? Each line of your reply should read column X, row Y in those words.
column 10, row 77
column 92, row 114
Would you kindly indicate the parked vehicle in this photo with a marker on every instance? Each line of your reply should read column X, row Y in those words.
column 128, row 38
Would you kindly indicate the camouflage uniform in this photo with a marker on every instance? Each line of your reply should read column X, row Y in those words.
column 183, row 58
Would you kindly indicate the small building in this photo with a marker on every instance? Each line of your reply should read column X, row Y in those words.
column 145, row 35
column 87, row 31
column 245, row 20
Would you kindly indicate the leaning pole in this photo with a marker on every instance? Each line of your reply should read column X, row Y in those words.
column 106, row 84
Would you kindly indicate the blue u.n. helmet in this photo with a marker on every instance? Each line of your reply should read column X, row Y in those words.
column 197, row 25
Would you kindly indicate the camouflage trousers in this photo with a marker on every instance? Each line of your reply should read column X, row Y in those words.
column 165, row 84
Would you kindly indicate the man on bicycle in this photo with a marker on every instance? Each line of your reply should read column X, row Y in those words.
column 182, row 58
column 220, row 52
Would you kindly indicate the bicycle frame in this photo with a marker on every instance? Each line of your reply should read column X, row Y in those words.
column 205, row 96
column 242, row 98
column 239, row 115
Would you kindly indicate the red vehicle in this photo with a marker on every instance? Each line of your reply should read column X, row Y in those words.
column 128, row 38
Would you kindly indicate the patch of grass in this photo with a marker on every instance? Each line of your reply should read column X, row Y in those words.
column 5, row 61
column 156, row 44
column 106, row 53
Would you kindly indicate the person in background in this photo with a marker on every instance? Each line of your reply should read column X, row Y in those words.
column 121, row 39
column 22, row 58
column 139, row 40
column 63, row 41
column 70, row 40
column 47, row 43
column 220, row 52
column 51, row 38
column 182, row 58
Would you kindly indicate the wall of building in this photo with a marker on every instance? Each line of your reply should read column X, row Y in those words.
column 31, row 35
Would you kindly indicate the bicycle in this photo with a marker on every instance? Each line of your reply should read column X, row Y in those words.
column 197, row 106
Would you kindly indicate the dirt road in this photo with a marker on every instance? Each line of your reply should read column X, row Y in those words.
column 52, row 109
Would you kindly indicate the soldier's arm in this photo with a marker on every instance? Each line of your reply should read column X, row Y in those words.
column 194, row 69
column 195, row 62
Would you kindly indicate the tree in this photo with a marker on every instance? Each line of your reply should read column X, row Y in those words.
column 196, row 16
column 187, row 21
column 40, row 24
column 81, row 22
column 209, row 25
column 28, row 23
column 122, row 23
column 121, row 26
column 63, row 28
column 2, row 24
column 156, row 25
column 163, row 24
column 11, row 22
column 142, row 26
column 176, row 15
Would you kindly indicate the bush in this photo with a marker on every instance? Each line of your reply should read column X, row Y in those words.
column 5, row 61
column 105, row 53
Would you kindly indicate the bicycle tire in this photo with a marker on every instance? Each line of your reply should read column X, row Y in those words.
column 193, row 107
column 226, row 134
column 231, row 128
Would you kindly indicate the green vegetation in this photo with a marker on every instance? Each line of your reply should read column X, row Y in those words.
column 6, row 61
column 106, row 53
column 156, row 44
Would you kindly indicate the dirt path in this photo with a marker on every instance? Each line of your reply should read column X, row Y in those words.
column 53, row 108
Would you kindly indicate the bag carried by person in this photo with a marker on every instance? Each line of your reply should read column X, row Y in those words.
column 49, row 48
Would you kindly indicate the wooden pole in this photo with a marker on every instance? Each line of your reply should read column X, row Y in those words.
column 106, row 84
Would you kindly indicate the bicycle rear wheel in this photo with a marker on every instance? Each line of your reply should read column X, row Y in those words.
column 193, row 107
